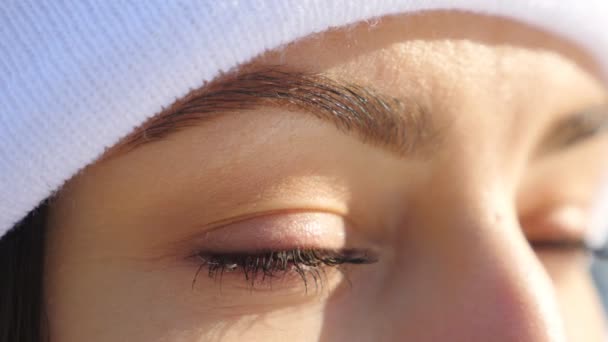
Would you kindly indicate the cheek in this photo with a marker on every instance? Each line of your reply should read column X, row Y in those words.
column 106, row 300
column 95, row 299
column 577, row 298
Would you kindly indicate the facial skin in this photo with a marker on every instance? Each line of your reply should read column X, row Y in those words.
column 450, row 229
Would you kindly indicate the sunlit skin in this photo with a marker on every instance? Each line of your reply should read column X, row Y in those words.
column 451, row 229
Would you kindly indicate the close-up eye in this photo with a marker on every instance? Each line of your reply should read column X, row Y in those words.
column 310, row 251
column 277, row 170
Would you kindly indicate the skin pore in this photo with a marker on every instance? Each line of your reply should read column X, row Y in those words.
column 435, row 243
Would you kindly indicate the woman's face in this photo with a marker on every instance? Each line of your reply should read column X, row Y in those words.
column 407, row 179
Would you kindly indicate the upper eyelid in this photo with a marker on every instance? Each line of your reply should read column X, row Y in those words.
column 210, row 227
column 275, row 230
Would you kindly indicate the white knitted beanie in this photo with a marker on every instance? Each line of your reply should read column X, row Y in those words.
column 77, row 76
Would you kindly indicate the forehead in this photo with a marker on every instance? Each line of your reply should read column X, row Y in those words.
column 449, row 56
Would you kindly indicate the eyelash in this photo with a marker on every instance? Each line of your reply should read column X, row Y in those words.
column 600, row 253
column 271, row 264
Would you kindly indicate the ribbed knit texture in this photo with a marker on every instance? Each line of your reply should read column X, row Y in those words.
column 76, row 76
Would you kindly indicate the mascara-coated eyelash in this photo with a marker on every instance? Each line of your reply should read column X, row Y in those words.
column 272, row 264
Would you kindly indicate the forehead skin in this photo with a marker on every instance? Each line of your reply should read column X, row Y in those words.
column 492, row 85
column 410, row 40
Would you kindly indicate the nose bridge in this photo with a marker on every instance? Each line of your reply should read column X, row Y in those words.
column 473, row 262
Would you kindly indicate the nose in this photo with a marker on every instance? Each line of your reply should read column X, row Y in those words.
column 467, row 273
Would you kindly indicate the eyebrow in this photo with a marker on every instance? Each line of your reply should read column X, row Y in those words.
column 401, row 127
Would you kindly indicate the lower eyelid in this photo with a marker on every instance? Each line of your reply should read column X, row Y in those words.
column 232, row 295
column 285, row 283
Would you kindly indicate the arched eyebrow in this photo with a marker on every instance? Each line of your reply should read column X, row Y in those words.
column 401, row 126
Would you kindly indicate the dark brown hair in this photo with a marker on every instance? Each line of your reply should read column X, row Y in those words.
column 21, row 271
